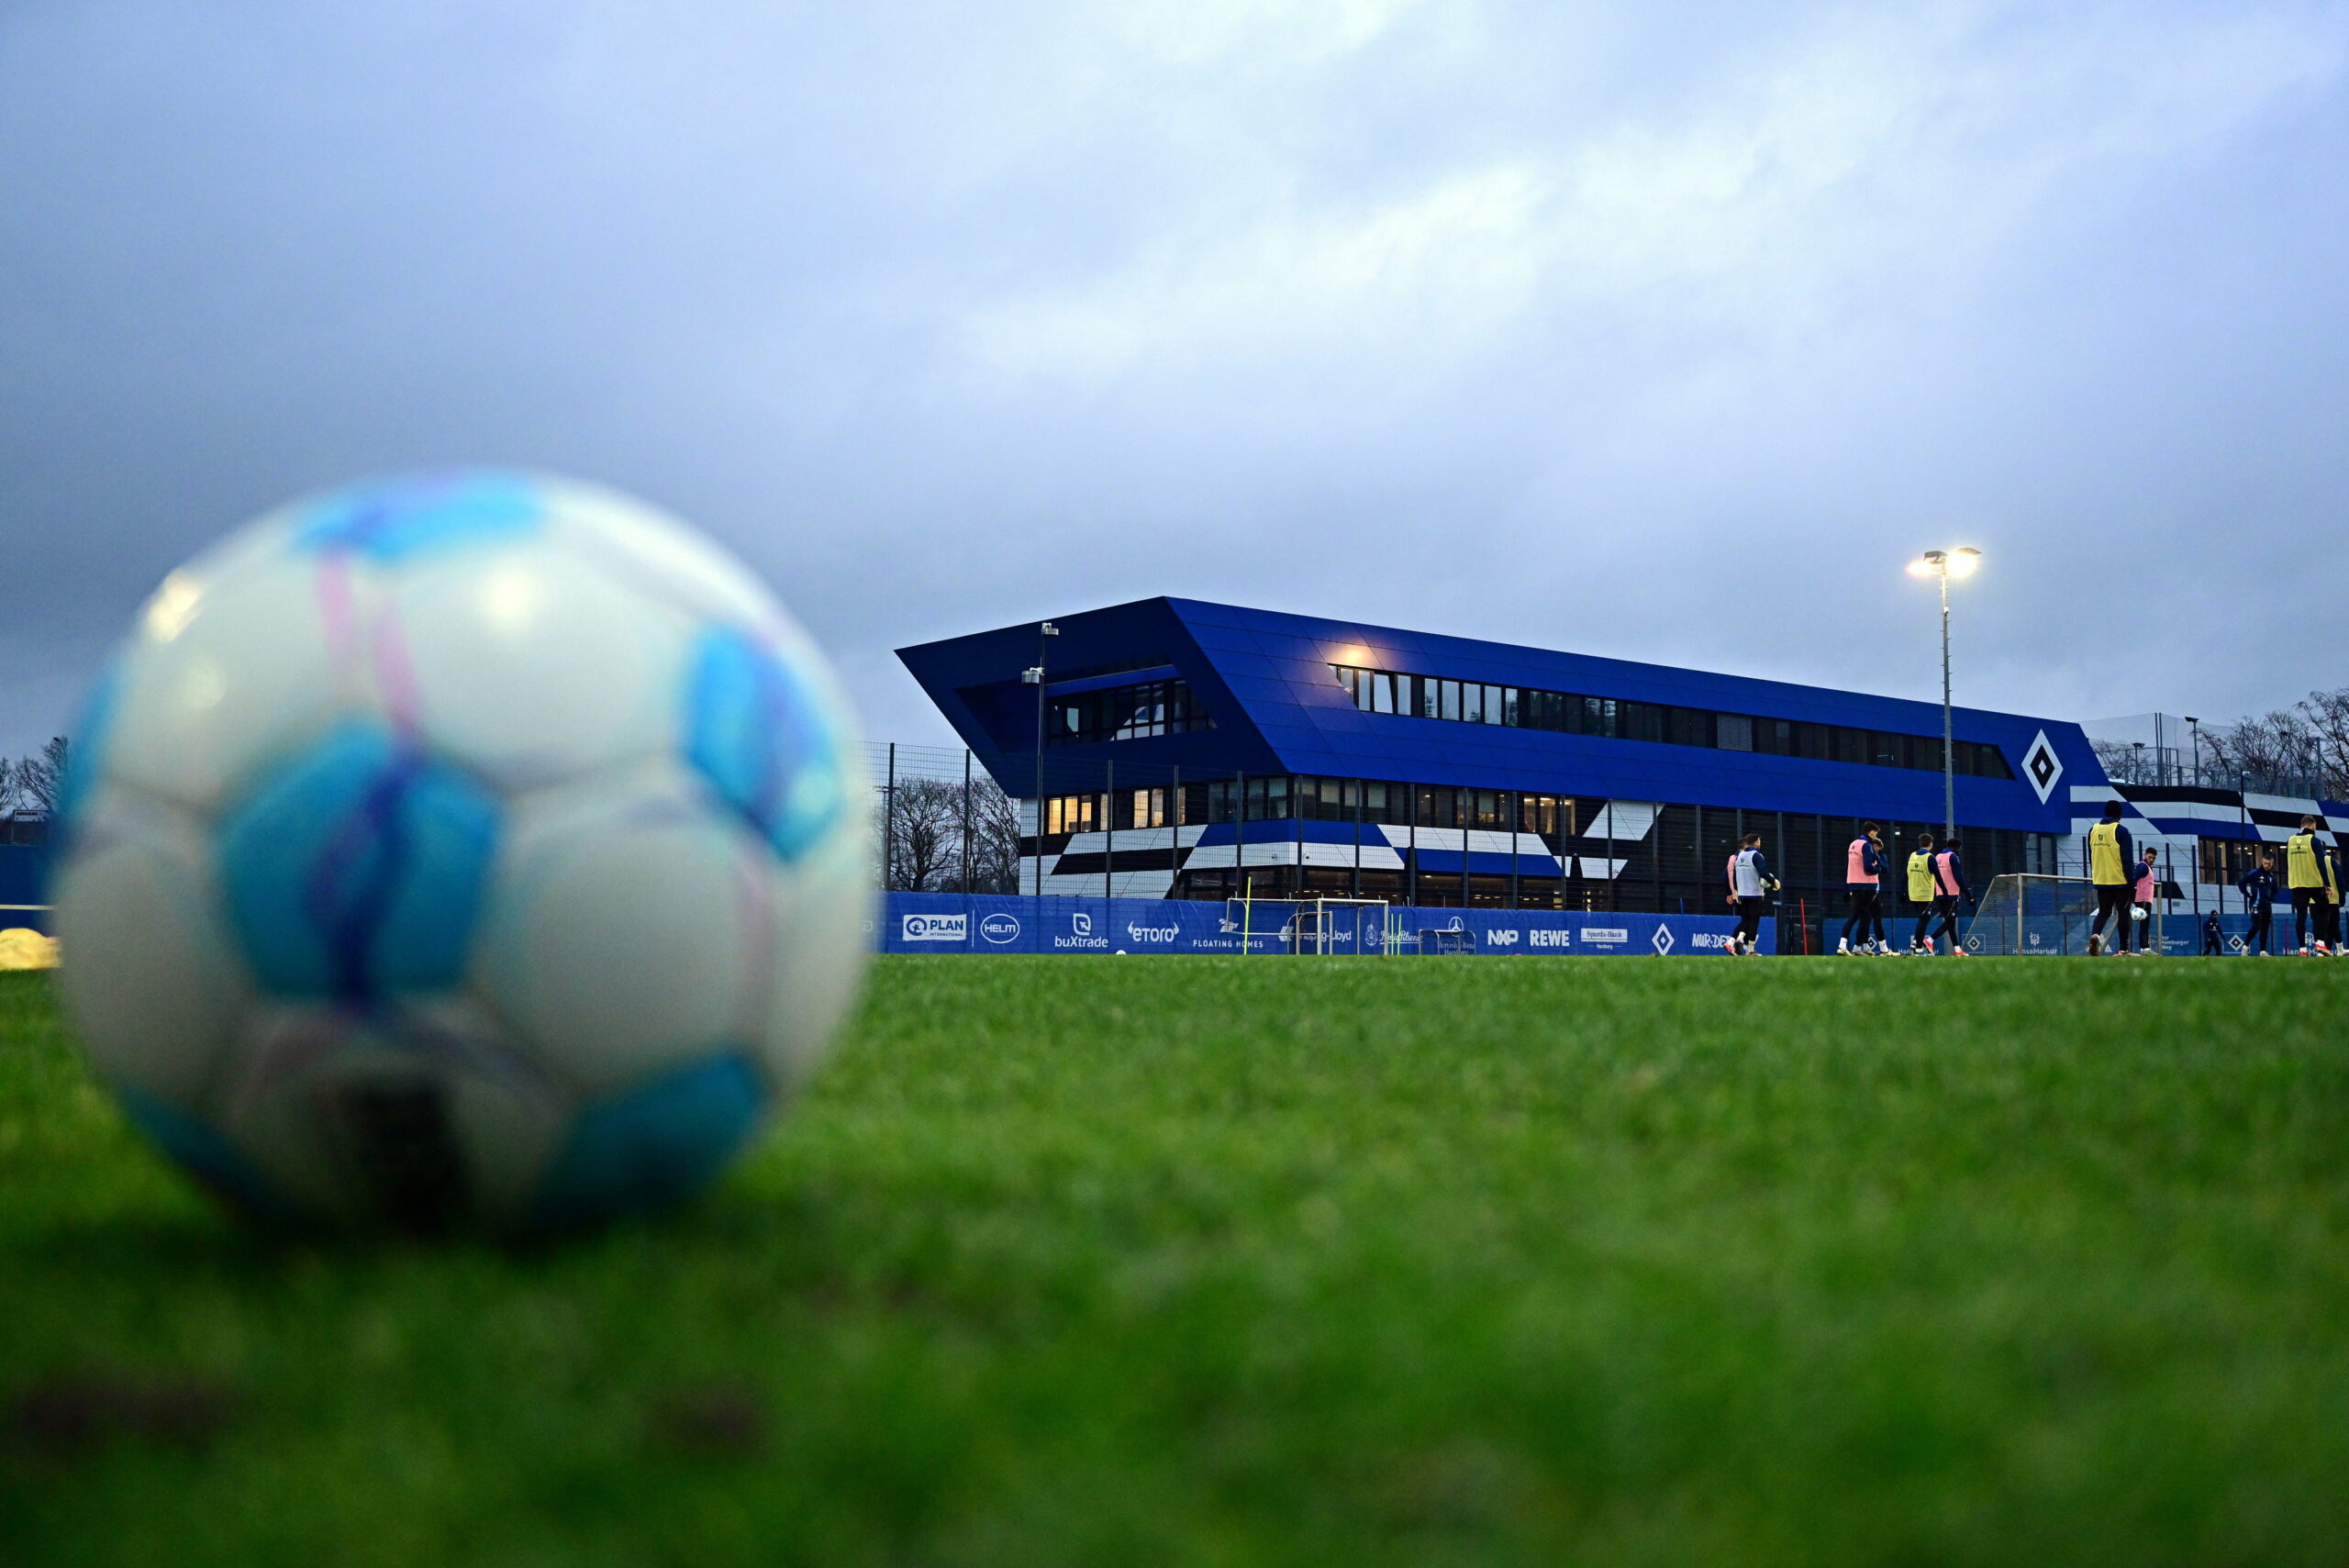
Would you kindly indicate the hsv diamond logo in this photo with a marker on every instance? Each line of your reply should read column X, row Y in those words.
column 2041, row 766
column 1661, row 940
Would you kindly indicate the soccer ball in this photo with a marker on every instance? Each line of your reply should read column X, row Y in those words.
column 473, row 852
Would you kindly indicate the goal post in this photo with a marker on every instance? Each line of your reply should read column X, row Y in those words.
column 2029, row 916
column 1326, row 926
column 1318, row 926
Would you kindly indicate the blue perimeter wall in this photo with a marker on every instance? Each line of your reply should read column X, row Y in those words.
column 24, row 879
column 954, row 922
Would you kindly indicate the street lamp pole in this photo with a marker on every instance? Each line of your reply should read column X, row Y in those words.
column 2193, row 728
column 1035, row 677
column 1942, row 565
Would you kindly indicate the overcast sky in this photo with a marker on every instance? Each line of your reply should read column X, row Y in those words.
column 1661, row 332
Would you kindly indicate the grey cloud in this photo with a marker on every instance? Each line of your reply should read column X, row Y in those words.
column 1660, row 335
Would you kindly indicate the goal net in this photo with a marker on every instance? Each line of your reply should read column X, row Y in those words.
column 1319, row 925
column 1326, row 926
column 2048, row 917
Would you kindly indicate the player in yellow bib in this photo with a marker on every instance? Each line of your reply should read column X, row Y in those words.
column 1921, row 889
column 2110, row 854
column 2314, row 877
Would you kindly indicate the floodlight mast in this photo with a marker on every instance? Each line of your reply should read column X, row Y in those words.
column 1942, row 565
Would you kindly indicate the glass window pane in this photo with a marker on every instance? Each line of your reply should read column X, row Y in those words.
column 1733, row 732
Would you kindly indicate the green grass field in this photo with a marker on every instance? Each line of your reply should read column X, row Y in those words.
column 1197, row 1260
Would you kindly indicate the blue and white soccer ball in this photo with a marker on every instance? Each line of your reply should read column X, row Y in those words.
column 474, row 852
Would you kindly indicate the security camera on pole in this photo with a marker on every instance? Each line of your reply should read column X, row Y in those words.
column 1942, row 565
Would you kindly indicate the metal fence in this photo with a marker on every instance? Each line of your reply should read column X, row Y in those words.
column 944, row 825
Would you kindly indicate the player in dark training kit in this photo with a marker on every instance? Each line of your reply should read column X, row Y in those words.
column 2257, row 886
column 2315, row 880
column 1750, row 887
column 1920, row 892
column 1864, row 868
column 2111, row 852
column 1949, row 892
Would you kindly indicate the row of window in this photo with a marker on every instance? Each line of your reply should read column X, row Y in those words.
column 1674, row 862
column 1281, row 797
column 1126, row 713
column 1563, row 713
column 1375, row 802
column 1813, row 853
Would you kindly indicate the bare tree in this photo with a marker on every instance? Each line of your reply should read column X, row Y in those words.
column 923, row 823
column 2126, row 765
column 994, row 838
column 2276, row 752
column 37, row 782
column 12, row 794
column 2325, row 714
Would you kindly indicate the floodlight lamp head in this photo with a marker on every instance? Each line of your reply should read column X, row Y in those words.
column 1962, row 561
column 1926, row 565
column 1049, row 630
column 1033, row 676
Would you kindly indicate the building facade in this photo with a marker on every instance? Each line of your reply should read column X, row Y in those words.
column 1178, row 749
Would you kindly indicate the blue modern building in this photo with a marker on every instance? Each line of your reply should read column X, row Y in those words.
column 1189, row 749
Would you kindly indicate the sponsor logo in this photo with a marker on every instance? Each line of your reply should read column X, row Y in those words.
column 1141, row 933
column 1000, row 928
column 1541, row 938
column 936, row 928
column 1709, row 939
column 1661, row 940
column 1500, row 939
column 1605, row 934
column 1084, row 940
